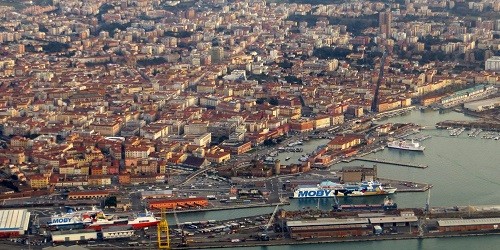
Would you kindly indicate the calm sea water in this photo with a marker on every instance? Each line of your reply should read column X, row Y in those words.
column 462, row 243
column 463, row 171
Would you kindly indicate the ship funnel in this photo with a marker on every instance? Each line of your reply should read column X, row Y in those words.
column 69, row 209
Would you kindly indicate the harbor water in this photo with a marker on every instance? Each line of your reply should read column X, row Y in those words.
column 463, row 171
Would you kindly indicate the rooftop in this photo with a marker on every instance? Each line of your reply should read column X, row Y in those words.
column 14, row 219
column 393, row 219
column 117, row 228
column 178, row 200
column 326, row 222
column 468, row 222
column 76, row 231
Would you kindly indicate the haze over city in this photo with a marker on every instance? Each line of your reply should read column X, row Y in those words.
column 249, row 123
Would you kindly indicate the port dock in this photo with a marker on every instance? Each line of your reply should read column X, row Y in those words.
column 404, row 164
column 405, row 186
column 484, row 125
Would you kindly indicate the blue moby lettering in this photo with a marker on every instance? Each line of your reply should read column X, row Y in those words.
column 314, row 193
column 61, row 220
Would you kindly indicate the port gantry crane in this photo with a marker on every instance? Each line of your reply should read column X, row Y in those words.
column 423, row 222
column 264, row 235
column 163, row 231
column 181, row 228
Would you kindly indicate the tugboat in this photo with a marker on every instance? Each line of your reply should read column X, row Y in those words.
column 288, row 158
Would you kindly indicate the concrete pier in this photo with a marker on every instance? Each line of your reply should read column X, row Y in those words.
column 404, row 164
column 484, row 125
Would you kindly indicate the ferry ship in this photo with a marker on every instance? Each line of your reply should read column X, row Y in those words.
column 65, row 222
column 71, row 219
column 142, row 220
column 328, row 189
column 404, row 145
column 101, row 220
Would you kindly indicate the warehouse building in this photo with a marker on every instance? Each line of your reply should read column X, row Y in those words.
column 74, row 235
column 14, row 222
column 178, row 203
column 394, row 221
column 161, row 194
column 117, row 232
column 462, row 225
column 329, row 227
column 359, row 173
column 483, row 105
column 77, row 195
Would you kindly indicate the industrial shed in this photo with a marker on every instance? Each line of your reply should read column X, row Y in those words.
column 483, row 105
column 14, row 222
column 328, row 227
column 156, row 194
column 117, row 232
column 74, row 235
column 462, row 225
column 394, row 221
column 392, row 224
column 176, row 203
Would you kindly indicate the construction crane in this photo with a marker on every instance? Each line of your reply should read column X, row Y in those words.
column 163, row 231
column 264, row 235
column 180, row 227
column 336, row 206
column 422, row 224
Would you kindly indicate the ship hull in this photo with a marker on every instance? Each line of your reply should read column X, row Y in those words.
column 101, row 226
column 421, row 149
column 142, row 225
column 360, row 193
column 344, row 193
column 328, row 189
column 66, row 226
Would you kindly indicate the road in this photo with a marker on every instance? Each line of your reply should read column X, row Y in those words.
column 274, row 187
column 194, row 175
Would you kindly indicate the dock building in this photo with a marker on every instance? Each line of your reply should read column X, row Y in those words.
column 359, row 173
column 329, row 227
column 463, row 225
column 176, row 203
column 14, row 222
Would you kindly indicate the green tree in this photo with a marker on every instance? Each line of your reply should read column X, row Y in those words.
column 293, row 80
column 54, row 47
column 331, row 53
column 285, row 64
column 260, row 100
column 110, row 201
column 273, row 101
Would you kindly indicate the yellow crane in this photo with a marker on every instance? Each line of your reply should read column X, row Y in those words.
column 163, row 231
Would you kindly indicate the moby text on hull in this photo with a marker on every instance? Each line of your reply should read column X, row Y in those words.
column 330, row 189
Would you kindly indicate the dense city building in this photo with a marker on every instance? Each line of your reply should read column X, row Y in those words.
column 173, row 105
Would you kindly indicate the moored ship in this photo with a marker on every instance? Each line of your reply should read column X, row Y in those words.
column 65, row 222
column 71, row 219
column 330, row 189
column 405, row 145
column 98, row 220
column 101, row 220
column 142, row 220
